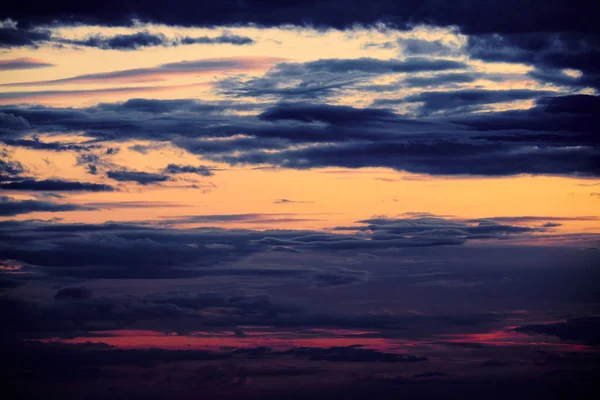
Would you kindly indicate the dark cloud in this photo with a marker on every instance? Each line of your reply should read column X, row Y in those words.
column 352, row 354
column 10, row 122
column 539, row 219
column 145, row 251
column 10, row 206
column 430, row 375
column 55, row 185
column 435, row 158
column 495, row 363
column 73, row 293
column 555, row 137
column 288, row 201
column 188, row 169
column 144, row 39
column 586, row 330
column 327, row 114
column 424, row 47
column 550, row 53
column 10, row 167
column 95, row 161
column 494, row 16
column 337, row 276
column 440, row 80
column 23, row 63
column 14, row 37
column 325, row 77
column 223, row 39
column 37, row 144
column 376, row 66
column 143, row 178
column 463, row 100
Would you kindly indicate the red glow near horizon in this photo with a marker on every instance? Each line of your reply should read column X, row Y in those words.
column 199, row 340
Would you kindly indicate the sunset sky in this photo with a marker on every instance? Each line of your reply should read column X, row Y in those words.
column 231, row 199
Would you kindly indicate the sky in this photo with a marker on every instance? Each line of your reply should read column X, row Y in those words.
column 299, row 199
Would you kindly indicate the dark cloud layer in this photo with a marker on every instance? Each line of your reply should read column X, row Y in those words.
column 586, row 330
column 143, row 178
column 144, row 39
column 73, row 293
column 550, row 54
column 144, row 251
column 11, row 207
column 55, row 185
column 555, row 137
column 188, row 169
column 495, row 16
column 12, row 36
column 463, row 100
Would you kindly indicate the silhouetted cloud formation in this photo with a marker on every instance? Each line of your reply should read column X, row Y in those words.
column 57, row 185
column 73, row 293
column 23, row 63
column 550, row 54
column 143, row 178
column 188, row 169
column 352, row 354
column 143, row 39
column 495, row 16
column 555, row 137
column 586, row 329
column 10, row 206
column 144, row 251
column 12, row 36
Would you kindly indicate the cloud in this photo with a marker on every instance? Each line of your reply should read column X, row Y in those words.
column 11, row 36
column 584, row 329
column 144, row 39
column 352, row 354
column 208, row 65
column 55, row 185
column 143, row 178
column 337, row 276
column 462, row 100
column 376, row 66
column 32, row 96
column 147, row 251
column 430, row 375
column 494, row 16
column 288, row 201
column 73, row 293
column 10, row 167
column 23, row 63
column 14, row 37
column 435, row 158
column 236, row 218
column 411, row 46
column 325, row 77
column 174, row 169
column 438, row 80
column 555, row 137
column 326, row 113
column 37, row 144
column 550, row 53
column 495, row 363
column 10, row 206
